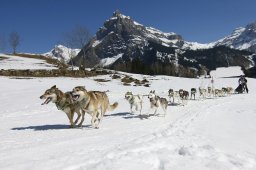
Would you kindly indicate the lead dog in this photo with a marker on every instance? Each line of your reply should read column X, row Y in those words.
column 91, row 102
column 156, row 102
column 134, row 100
column 63, row 102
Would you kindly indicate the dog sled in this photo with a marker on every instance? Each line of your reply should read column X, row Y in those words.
column 240, row 88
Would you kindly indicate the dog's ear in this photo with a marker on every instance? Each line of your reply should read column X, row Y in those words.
column 53, row 87
column 81, row 87
column 154, row 91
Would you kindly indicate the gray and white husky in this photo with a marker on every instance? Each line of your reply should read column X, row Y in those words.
column 173, row 95
column 156, row 102
column 134, row 100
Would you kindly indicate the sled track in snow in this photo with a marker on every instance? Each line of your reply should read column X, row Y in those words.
column 153, row 151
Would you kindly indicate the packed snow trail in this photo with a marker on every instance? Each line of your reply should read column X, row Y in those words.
column 205, row 134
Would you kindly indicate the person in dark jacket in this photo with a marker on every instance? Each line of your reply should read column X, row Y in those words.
column 243, row 81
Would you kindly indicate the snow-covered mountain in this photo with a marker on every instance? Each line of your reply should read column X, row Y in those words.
column 62, row 53
column 121, row 35
column 121, row 40
column 242, row 38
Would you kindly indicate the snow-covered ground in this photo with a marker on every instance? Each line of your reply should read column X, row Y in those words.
column 222, row 72
column 22, row 63
column 215, row 133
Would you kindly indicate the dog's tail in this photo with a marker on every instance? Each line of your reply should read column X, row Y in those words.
column 112, row 107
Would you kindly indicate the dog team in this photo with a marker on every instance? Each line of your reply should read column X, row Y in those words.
column 96, row 103
column 79, row 101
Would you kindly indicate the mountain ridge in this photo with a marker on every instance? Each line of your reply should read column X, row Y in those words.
column 123, row 44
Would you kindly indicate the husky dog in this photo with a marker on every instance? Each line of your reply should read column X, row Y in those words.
column 230, row 90
column 193, row 93
column 134, row 100
column 224, row 90
column 156, row 102
column 202, row 93
column 173, row 94
column 216, row 92
column 183, row 94
column 63, row 102
column 219, row 93
column 209, row 91
column 91, row 102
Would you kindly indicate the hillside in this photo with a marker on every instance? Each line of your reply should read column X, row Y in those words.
column 27, row 61
column 215, row 133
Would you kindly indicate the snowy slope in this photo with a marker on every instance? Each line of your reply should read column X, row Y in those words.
column 204, row 134
column 108, row 61
column 227, row 72
column 242, row 38
column 22, row 63
column 61, row 52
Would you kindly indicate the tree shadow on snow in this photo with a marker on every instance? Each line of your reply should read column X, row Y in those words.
column 47, row 127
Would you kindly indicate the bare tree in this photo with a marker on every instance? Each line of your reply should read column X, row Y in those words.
column 14, row 41
column 71, row 54
column 69, row 44
column 2, row 43
column 77, row 38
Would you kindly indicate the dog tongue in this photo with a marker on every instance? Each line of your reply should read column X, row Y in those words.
column 75, row 97
column 46, row 101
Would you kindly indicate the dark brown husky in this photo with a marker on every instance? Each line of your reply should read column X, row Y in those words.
column 64, row 102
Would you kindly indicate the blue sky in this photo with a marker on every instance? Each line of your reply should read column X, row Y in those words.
column 41, row 23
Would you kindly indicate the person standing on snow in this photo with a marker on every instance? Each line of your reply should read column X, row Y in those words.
column 243, row 81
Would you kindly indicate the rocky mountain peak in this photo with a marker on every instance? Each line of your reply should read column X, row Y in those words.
column 121, row 40
column 118, row 14
column 252, row 26
column 250, row 30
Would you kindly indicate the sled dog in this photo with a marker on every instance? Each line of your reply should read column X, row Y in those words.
column 225, row 91
column 173, row 94
column 219, row 93
column 91, row 102
column 202, row 93
column 134, row 100
column 193, row 93
column 156, row 102
column 184, row 95
column 230, row 90
column 63, row 102
column 209, row 91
